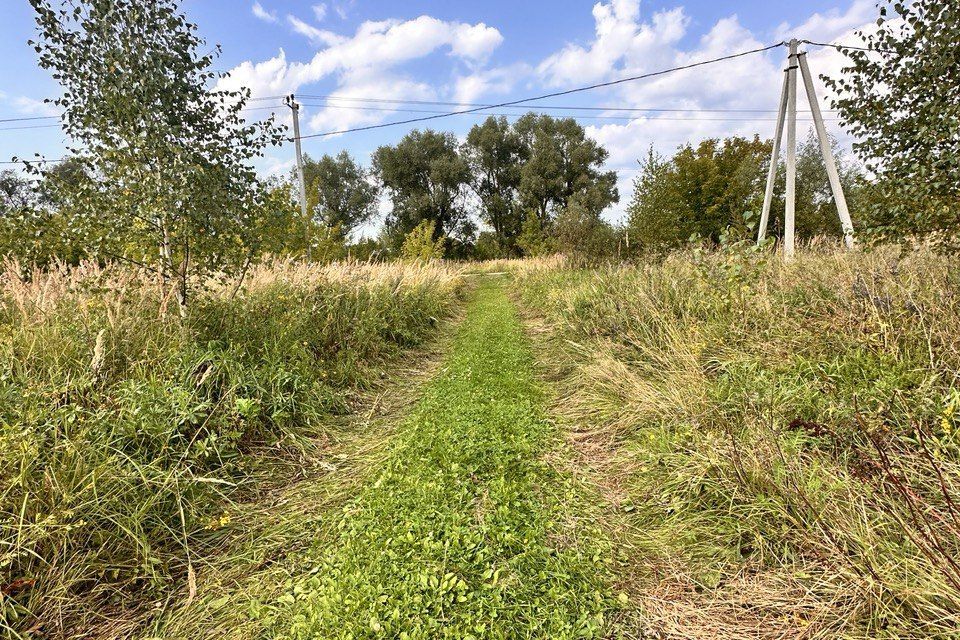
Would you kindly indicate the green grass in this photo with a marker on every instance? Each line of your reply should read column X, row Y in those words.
column 781, row 440
column 466, row 531
column 127, row 433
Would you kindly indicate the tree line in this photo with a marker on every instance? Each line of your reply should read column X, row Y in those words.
column 159, row 173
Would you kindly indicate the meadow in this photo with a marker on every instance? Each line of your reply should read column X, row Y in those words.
column 127, row 432
column 777, row 442
column 709, row 443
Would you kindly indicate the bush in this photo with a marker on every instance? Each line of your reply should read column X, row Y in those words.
column 420, row 243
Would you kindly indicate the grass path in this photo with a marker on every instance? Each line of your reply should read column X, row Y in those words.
column 465, row 531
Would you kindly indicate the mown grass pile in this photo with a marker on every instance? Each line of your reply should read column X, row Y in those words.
column 780, row 439
column 124, row 430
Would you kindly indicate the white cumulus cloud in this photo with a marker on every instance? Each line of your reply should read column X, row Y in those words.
column 370, row 61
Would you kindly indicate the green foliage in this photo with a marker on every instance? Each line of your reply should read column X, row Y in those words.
column 700, row 191
column 711, row 191
column 462, row 531
column 538, row 168
column 899, row 102
column 583, row 236
column 496, row 154
column 489, row 247
column 164, row 163
column 535, row 238
column 426, row 178
column 562, row 165
column 123, row 435
column 421, row 244
column 340, row 195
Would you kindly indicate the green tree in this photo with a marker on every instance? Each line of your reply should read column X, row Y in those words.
column 584, row 236
column 340, row 195
column 18, row 224
column 653, row 221
column 536, row 238
column 31, row 226
column 496, row 154
column 421, row 243
column 900, row 103
column 704, row 190
column 426, row 177
column 816, row 211
column 166, row 174
column 561, row 164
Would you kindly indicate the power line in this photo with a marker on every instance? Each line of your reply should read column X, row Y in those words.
column 838, row 46
column 548, row 95
column 31, row 126
column 577, row 115
column 524, row 106
column 30, row 118
column 32, row 161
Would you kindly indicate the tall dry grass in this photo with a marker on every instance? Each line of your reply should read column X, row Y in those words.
column 125, row 430
column 780, row 439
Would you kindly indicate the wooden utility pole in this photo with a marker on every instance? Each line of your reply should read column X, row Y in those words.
column 788, row 113
column 295, row 108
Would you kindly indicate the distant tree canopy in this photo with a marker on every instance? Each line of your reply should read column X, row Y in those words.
column 717, row 188
column 900, row 103
column 340, row 194
column 426, row 178
column 527, row 174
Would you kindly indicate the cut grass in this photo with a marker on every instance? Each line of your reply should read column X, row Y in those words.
column 267, row 535
column 464, row 531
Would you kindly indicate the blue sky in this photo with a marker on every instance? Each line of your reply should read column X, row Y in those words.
column 365, row 52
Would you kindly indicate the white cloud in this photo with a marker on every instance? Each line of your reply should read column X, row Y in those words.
column 621, row 40
column 497, row 81
column 825, row 27
column 34, row 107
column 343, row 8
column 320, row 11
column 368, row 60
column 475, row 42
column 363, row 83
column 625, row 45
column 263, row 14
column 315, row 35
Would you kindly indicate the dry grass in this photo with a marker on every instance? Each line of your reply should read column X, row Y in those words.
column 126, row 433
column 778, row 441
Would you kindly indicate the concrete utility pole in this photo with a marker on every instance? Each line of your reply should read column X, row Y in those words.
column 788, row 113
column 827, row 152
column 790, row 207
column 292, row 103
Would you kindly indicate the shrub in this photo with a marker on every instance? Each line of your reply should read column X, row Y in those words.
column 420, row 243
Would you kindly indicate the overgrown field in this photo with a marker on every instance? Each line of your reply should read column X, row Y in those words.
column 779, row 441
column 125, row 430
